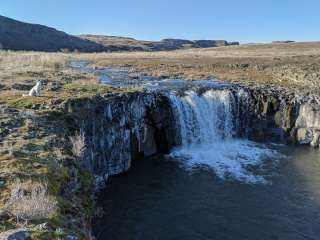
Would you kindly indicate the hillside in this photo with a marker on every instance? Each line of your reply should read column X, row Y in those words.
column 16, row 35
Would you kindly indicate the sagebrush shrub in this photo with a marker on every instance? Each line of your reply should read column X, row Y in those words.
column 78, row 146
column 30, row 201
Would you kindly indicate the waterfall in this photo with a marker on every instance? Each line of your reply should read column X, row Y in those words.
column 205, row 118
column 207, row 130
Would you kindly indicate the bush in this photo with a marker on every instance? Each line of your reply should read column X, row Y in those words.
column 78, row 146
column 30, row 202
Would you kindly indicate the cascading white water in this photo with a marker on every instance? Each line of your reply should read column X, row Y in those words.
column 204, row 119
column 206, row 127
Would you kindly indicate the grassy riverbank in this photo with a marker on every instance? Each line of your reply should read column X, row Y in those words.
column 36, row 158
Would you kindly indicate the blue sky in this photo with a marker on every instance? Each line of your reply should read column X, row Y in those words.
column 233, row 20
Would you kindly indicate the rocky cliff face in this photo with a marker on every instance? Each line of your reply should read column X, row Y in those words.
column 15, row 35
column 121, row 128
column 283, row 115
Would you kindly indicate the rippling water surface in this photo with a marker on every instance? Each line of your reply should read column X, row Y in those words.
column 161, row 198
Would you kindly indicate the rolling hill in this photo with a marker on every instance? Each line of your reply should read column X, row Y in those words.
column 16, row 35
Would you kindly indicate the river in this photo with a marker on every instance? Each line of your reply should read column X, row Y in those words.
column 161, row 199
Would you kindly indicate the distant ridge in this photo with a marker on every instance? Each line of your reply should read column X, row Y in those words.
column 131, row 44
column 16, row 35
column 286, row 41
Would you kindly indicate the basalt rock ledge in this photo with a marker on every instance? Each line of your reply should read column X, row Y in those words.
column 125, row 127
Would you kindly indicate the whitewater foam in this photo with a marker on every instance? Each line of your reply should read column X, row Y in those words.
column 205, row 126
column 239, row 160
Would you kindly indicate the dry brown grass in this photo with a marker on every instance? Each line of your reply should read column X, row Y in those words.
column 25, row 68
column 21, row 70
column 242, row 51
column 18, row 149
column 31, row 61
column 290, row 65
column 30, row 201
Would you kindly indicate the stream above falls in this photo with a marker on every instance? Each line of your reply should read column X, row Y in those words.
column 121, row 77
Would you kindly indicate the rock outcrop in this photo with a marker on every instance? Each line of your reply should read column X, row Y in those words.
column 119, row 129
column 130, row 44
column 286, row 116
